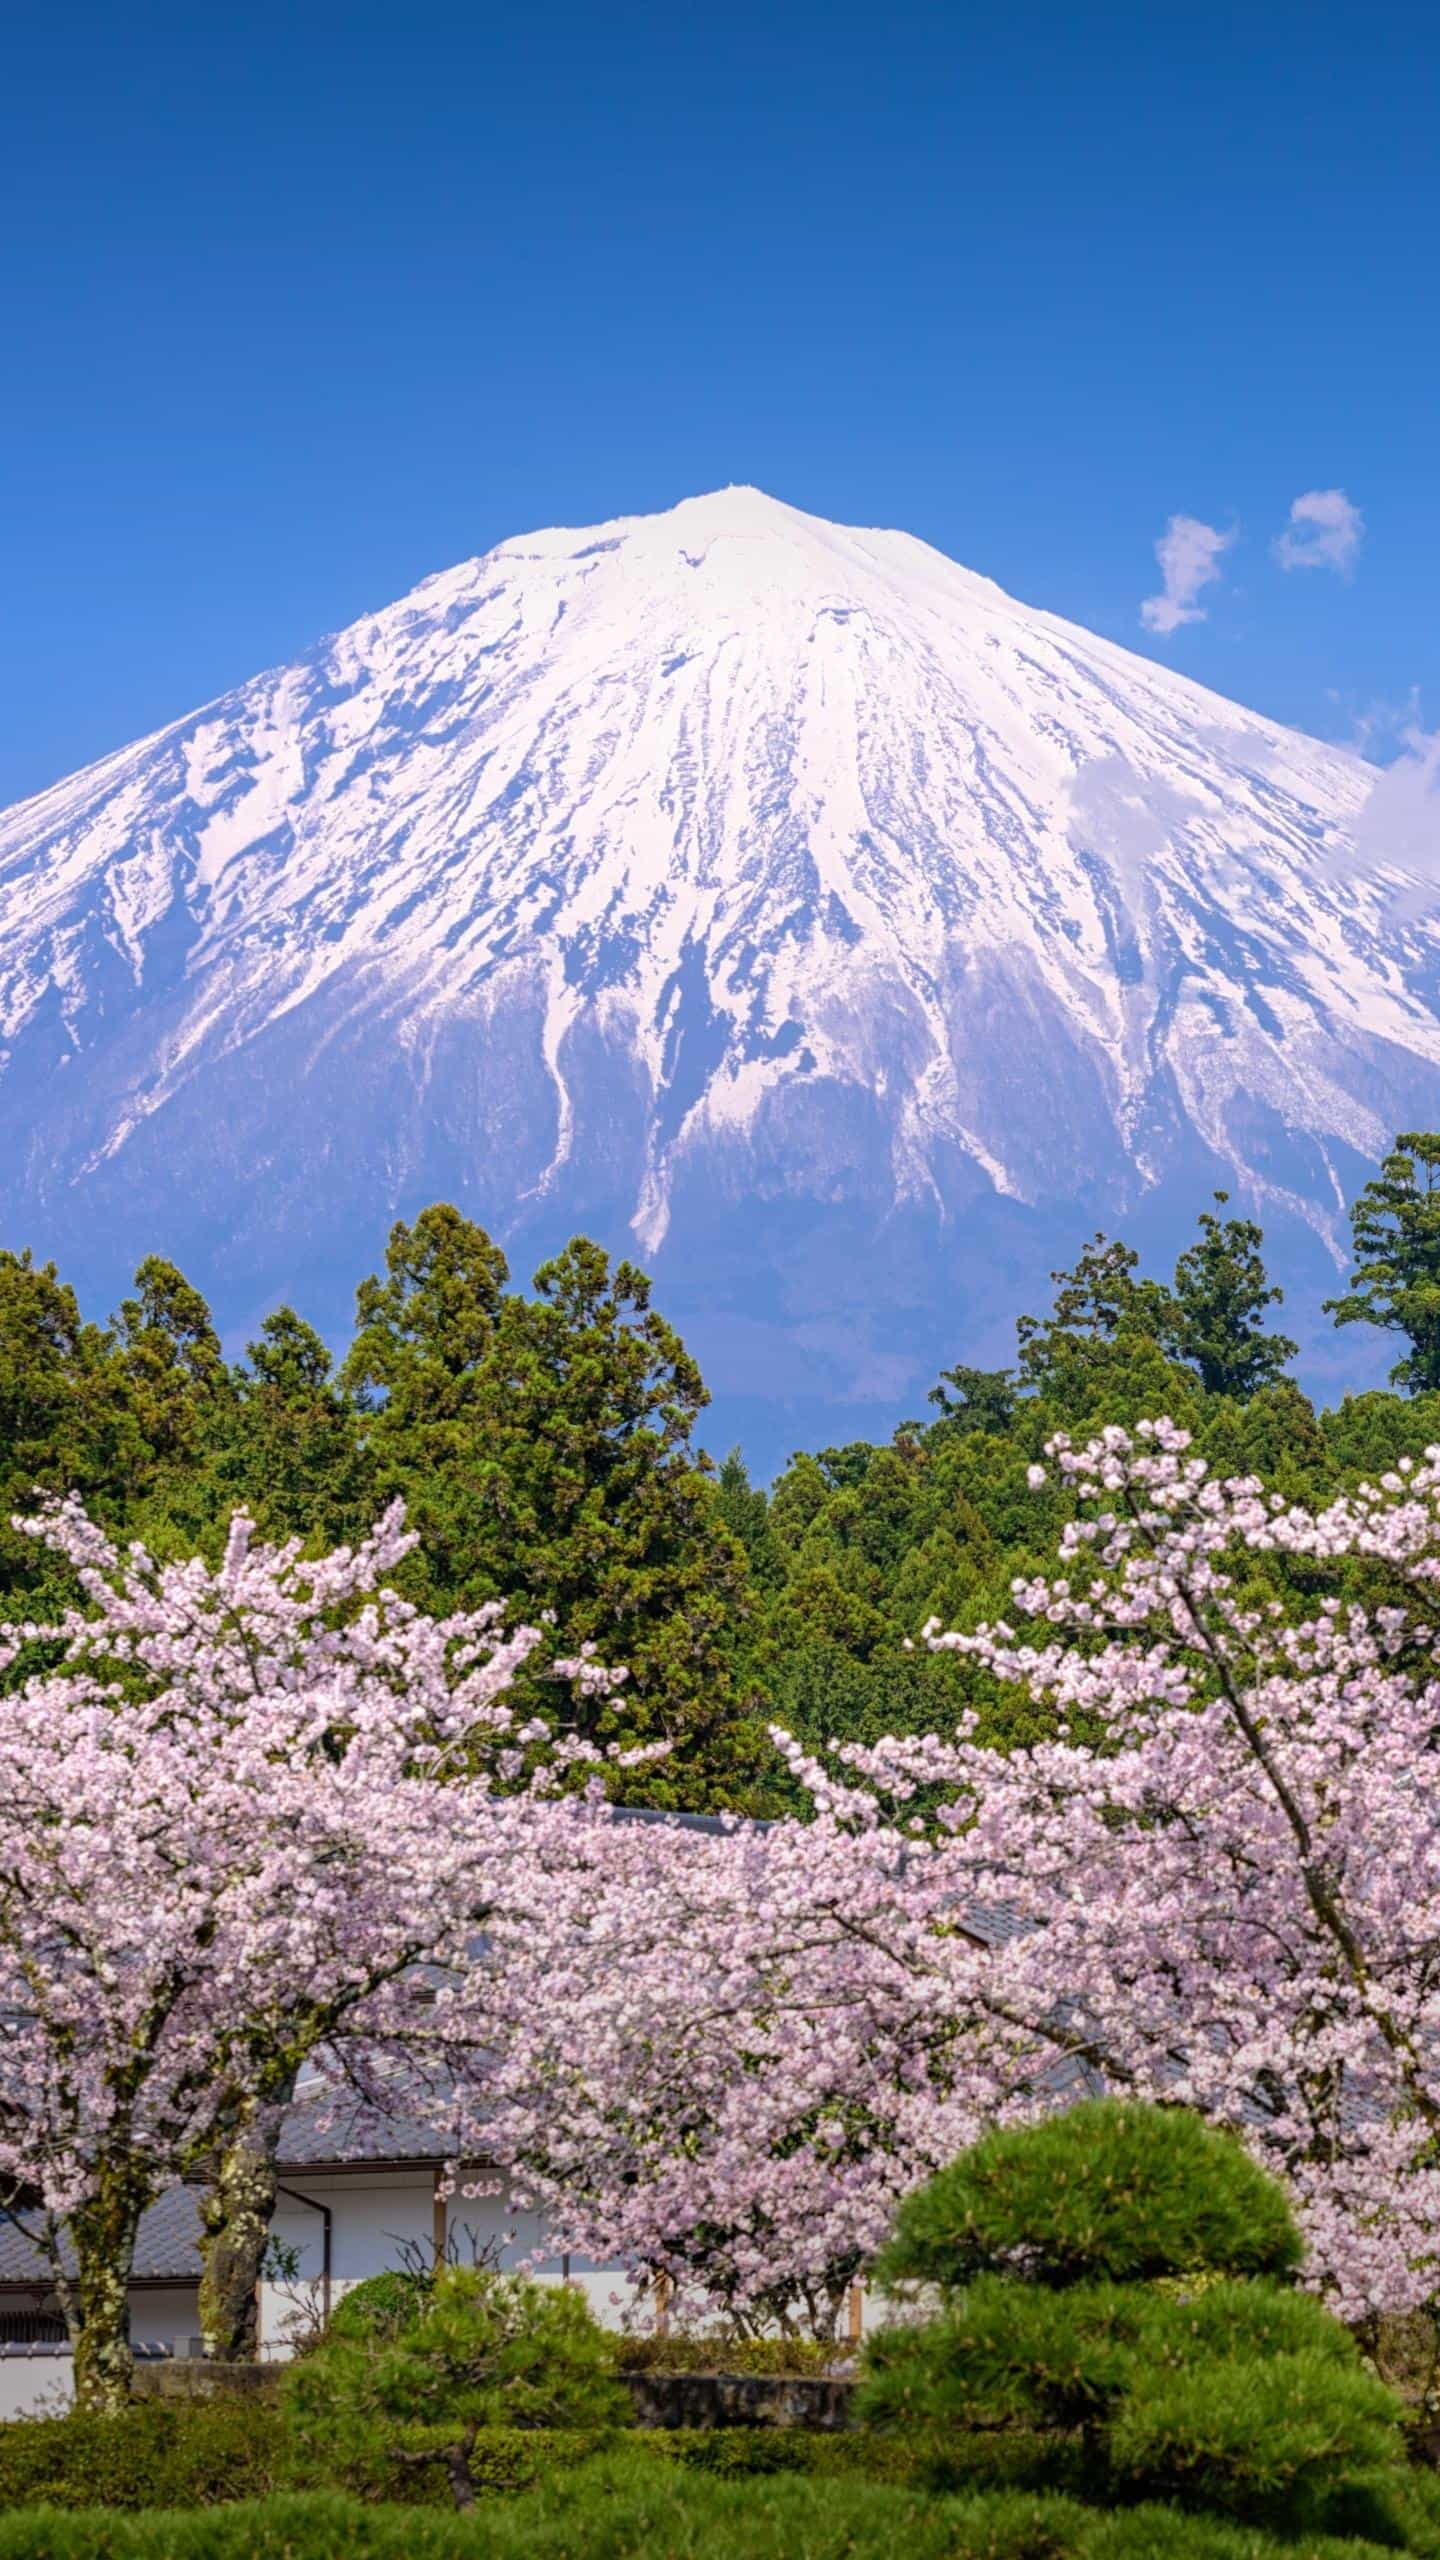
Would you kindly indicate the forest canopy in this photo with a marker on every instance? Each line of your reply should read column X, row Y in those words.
column 544, row 1441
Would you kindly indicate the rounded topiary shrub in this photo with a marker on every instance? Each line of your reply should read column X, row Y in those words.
column 1111, row 2190
column 381, row 2306
column 1082, row 2319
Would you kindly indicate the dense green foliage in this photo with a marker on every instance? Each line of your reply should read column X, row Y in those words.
column 1056, row 2251
column 1395, row 1230
column 590, row 2494
column 545, row 1443
column 153, row 2454
column 208, row 2452
column 637, row 2509
column 379, row 2307
column 406, row 2387
column 543, row 1446
column 1109, row 2191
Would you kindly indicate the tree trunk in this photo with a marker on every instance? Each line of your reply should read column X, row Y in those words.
column 457, row 2464
column 234, row 2229
column 96, row 2298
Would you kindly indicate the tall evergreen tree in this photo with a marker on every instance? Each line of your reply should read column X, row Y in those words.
column 973, row 1400
column 745, row 1510
column 544, row 1448
column 1395, row 1228
column 67, row 1420
column 293, row 1455
column 418, row 1376
column 1215, row 1319
column 601, row 1510
column 1102, row 1296
column 170, row 1354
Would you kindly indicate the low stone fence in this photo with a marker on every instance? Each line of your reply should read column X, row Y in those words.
column 818, row 2400
column 191, row 2378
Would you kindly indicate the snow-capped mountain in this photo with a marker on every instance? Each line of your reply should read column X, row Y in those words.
column 780, row 900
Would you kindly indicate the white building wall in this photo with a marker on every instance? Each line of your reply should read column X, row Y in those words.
column 36, row 2386
column 385, row 2218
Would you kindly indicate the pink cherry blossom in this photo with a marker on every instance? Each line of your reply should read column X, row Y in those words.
column 724, row 2057
column 235, row 1819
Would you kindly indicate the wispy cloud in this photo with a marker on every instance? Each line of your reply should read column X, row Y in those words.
column 1325, row 531
column 1400, row 822
column 1189, row 554
column 1381, row 729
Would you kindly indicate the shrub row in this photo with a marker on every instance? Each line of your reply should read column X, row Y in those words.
column 633, row 2513
column 154, row 2454
column 205, row 2453
column 209, row 2454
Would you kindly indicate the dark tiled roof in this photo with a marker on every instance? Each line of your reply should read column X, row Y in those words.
column 332, row 2129
column 167, row 2248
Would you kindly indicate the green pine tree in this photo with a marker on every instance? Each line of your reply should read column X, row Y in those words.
column 67, row 1423
column 293, row 1453
column 973, row 1400
column 418, row 1375
column 181, row 1391
column 745, row 1510
column 601, row 1510
column 544, row 1447
column 1215, row 1320
column 1093, row 1303
column 1395, row 1229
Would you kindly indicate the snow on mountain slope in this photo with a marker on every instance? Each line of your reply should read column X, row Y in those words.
column 680, row 870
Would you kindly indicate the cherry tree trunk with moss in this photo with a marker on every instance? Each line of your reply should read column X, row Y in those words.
column 235, row 2219
column 95, row 2295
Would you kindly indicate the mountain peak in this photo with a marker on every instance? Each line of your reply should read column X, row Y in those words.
column 708, row 878
column 737, row 508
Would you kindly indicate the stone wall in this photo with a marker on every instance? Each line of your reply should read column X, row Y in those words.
column 817, row 2400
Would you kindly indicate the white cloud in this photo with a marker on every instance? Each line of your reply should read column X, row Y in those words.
column 1400, row 822
column 1398, row 828
column 1381, row 730
column 1325, row 531
column 1188, row 552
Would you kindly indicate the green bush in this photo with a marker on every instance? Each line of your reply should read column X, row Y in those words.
column 653, row 2512
column 1254, row 2437
column 1008, row 2355
column 1254, row 2319
column 381, row 2306
column 1241, row 2397
column 153, row 2454
column 1110, row 2190
column 389, row 2402
column 203, row 2453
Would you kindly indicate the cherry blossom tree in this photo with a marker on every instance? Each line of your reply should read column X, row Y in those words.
column 706, row 2065
column 1239, row 1895
column 748, row 2045
column 248, row 1805
column 244, row 1808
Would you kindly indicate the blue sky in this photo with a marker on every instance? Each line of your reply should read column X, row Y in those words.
column 303, row 302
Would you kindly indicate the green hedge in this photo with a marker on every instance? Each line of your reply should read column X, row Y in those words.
column 206, row 2453
column 154, row 2454
column 660, row 2513
column 701, row 2494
